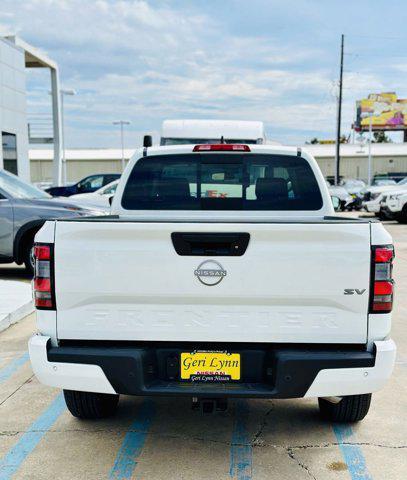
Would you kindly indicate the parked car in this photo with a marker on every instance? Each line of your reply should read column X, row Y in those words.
column 86, row 185
column 381, row 182
column 374, row 205
column 42, row 185
column 354, row 188
column 372, row 196
column 222, row 272
column 23, row 210
column 396, row 176
column 393, row 205
column 346, row 200
column 100, row 198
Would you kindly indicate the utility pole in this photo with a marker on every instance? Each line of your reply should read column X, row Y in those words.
column 122, row 123
column 338, row 126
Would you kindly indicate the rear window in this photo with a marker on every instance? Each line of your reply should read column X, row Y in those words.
column 222, row 182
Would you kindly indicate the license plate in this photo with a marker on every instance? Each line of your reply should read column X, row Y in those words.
column 203, row 366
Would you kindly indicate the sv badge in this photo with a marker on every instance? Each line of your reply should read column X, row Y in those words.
column 352, row 291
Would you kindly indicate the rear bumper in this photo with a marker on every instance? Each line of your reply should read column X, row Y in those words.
column 372, row 206
column 267, row 372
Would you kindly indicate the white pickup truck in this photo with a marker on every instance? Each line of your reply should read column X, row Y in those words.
column 221, row 272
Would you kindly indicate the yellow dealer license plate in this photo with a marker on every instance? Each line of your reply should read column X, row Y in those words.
column 210, row 366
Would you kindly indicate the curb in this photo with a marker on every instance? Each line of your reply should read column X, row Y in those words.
column 16, row 315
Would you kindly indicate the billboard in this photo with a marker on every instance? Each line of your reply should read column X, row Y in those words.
column 388, row 112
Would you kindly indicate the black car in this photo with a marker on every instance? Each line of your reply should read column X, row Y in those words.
column 86, row 185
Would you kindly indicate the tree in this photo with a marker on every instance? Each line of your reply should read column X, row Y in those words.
column 381, row 137
column 316, row 141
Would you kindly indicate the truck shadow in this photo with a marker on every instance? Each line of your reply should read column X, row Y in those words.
column 259, row 423
column 14, row 272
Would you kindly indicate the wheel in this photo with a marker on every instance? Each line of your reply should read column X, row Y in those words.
column 28, row 257
column 88, row 405
column 352, row 408
column 402, row 217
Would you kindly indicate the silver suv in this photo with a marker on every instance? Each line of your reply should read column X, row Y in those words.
column 23, row 210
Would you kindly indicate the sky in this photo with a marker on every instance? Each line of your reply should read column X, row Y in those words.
column 146, row 61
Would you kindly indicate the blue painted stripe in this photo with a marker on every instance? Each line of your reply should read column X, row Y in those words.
column 12, row 461
column 133, row 443
column 352, row 454
column 10, row 368
column 241, row 451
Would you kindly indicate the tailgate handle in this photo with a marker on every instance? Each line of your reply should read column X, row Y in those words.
column 212, row 244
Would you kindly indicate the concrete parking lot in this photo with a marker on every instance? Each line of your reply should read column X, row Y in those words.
column 163, row 438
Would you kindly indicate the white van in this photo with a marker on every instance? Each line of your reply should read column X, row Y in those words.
column 182, row 132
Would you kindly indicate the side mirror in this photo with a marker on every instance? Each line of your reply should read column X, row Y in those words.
column 336, row 203
column 147, row 141
column 111, row 200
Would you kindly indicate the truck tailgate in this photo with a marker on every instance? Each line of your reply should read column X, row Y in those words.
column 125, row 281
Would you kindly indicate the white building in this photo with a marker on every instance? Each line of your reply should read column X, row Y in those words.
column 386, row 158
column 13, row 119
column 80, row 162
column 15, row 56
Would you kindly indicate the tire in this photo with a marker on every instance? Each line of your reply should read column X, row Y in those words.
column 88, row 405
column 402, row 217
column 352, row 408
column 28, row 257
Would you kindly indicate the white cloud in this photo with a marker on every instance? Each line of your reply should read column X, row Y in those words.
column 149, row 61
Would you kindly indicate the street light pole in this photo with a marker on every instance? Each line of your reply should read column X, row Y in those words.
column 63, row 141
column 122, row 123
column 369, row 160
column 71, row 93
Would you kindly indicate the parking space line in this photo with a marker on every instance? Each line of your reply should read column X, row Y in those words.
column 241, row 451
column 352, row 454
column 133, row 443
column 7, row 371
column 12, row 461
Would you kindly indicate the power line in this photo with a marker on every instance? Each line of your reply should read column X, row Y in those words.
column 376, row 36
column 352, row 54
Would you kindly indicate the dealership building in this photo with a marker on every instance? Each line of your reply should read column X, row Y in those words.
column 15, row 57
column 386, row 158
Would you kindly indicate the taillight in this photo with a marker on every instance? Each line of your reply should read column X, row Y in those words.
column 384, row 254
column 382, row 282
column 222, row 147
column 43, row 286
column 42, row 252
